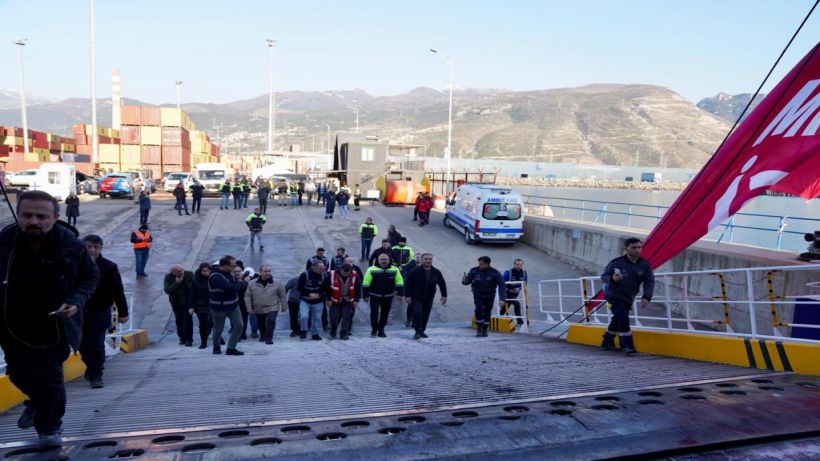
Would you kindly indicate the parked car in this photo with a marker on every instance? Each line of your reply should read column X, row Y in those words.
column 117, row 184
column 147, row 179
column 173, row 179
column 87, row 184
column 23, row 178
column 164, row 178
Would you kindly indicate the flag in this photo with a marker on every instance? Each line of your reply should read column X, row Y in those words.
column 775, row 148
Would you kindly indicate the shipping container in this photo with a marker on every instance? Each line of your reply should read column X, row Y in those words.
column 17, row 162
column 167, row 168
column 110, row 167
column 131, row 115
column 175, row 155
column 173, row 136
column 84, row 149
column 130, row 134
column 171, row 116
column 82, row 139
column 83, row 158
column 156, row 170
column 130, row 166
column 109, row 153
column 150, row 116
column 84, row 167
column 150, row 154
column 151, row 135
column 78, row 129
column 67, row 147
column 130, row 154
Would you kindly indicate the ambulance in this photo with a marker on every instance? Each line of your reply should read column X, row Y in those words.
column 486, row 213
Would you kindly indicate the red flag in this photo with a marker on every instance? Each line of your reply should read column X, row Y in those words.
column 776, row 147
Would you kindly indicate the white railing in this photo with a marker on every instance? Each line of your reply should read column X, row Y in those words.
column 523, row 320
column 747, row 302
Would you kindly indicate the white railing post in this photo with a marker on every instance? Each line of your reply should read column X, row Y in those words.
column 751, row 299
column 685, row 304
column 669, row 302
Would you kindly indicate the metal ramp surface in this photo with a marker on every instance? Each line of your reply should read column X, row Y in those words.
column 190, row 396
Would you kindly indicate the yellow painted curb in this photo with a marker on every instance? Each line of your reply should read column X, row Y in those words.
column 10, row 396
column 134, row 341
column 754, row 353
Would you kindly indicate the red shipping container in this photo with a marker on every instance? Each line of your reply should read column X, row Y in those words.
column 150, row 155
column 156, row 170
column 16, row 162
column 84, row 149
column 176, row 155
column 131, row 115
column 130, row 134
column 166, row 168
column 78, row 129
column 174, row 136
column 81, row 139
column 39, row 143
column 151, row 116
column 84, row 167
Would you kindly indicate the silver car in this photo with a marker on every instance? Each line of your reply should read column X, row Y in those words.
column 174, row 178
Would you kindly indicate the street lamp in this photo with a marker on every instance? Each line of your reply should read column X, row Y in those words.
column 448, row 59
column 328, row 136
column 179, row 91
column 271, row 97
column 21, row 42
column 92, row 20
column 357, row 119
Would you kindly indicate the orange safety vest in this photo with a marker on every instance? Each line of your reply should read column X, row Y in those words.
column 145, row 236
column 336, row 286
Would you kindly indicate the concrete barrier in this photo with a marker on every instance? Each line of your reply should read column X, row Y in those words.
column 762, row 354
column 590, row 247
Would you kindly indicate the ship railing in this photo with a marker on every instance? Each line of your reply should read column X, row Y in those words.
column 773, row 229
column 522, row 320
column 759, row 303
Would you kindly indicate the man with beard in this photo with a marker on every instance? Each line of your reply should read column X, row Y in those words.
column 48, row 277
column 420, row 289
column 381, row 282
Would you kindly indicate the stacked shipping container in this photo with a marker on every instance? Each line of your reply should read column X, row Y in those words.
column 43, row 147
column 108, row 147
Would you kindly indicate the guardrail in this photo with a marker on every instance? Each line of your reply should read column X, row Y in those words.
column 756, row 227
column 757, row 303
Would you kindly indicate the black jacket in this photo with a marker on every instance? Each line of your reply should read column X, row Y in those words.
column 374, row 257
column 486, row 282
column 314, row 259
column 109, row 290
column 635, row 274
column 75, row 285
column 72, row 206
column 179, row 193
column 416, row 288
column 197, row 190
column 311, row 282
column 200, row 298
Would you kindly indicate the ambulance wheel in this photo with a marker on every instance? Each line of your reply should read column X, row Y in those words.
column 447, row 223
column 468, row 238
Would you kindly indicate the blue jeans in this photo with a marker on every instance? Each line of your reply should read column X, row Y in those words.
column 366, row 247
column 245, row 196
column 343, row 211
column 180, row 205
column 315, row 310
column 141, row 256
column 224, row 202
column 294, row 199
column 258, row 236
column 620, row 318
column 218, row 318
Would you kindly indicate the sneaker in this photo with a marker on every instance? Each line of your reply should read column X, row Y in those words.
column 268, row 342
column 230, row 351
column 316, row 338
column 217, row 350
column 422, row 335
column 382, row 335
column 97, row 383
column 26, row 420
column 51, row 438
column 417, row 336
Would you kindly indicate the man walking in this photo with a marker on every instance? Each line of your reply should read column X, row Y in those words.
column 246, row 192
column 339, row 259
column 342, row 198
column 357, row 197
column 420, row 289
column 515, row 280
column 141, row 240
column 255, row 221
column 262, row 193
column 265, row 297
column 424, row 208
column 345, row 291
column 145, row 207
column 48, row 278
column 224, row 288
column 97, row 311
column 402, row 254
column 416, row 206
column 177, row 285
column 484, row 281
column 320, row 257
column 225, row 190
column 312, row 286
column 293, row 306
column 622, row 279
column 381, row 283
column 367, row 232
column 384, row 249
column 179, row 194
column 197, row 192
column 236, row 192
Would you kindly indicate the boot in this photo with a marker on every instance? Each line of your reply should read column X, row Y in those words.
column 478, row 330
column 484, row 330
column 626, row 344
column 609, row 342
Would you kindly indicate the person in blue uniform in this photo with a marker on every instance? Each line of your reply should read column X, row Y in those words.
column 484, row 281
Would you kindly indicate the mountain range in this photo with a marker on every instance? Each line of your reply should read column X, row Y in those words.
column 602, row 123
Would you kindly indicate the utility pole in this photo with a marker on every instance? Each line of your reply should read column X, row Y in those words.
column 328, row 136
column 95, row 142
column 271, row 100
column 179, row 92
column 21, row 42
column 357, row 119
column 449, row 61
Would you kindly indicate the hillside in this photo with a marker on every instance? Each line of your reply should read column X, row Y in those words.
column 728, row 107
column 611, row 124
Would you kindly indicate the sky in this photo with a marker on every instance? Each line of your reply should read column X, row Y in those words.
column 217, row 48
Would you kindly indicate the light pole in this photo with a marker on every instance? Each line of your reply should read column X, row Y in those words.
column 92, row 19
column 448, row 59
column 271, row 97
column 328, row 136
column 357, row 119
column 179, row 91
column 21, row 42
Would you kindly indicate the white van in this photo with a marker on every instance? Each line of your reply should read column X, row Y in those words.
column 57, row 178
column 486, row 213
column 211, row 176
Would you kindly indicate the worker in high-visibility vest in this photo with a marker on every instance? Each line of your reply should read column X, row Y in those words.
column 141, row 240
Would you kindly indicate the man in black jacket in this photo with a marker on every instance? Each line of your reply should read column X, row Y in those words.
column 197, row 192
column 420, row 289
column 384, row 249
column 48, row 277
column 484, row 281
column 622, row 279
column 97, row 312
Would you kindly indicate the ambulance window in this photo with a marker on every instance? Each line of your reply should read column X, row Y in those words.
column 502, row 211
